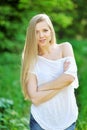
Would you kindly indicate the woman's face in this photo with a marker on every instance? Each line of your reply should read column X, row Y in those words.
column 43, row 34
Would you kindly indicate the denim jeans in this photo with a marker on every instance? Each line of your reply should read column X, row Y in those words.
column 35, row 126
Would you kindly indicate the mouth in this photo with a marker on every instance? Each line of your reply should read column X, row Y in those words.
column 42, row 40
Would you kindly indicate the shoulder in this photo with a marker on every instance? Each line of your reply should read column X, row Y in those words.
column 65, row 45
column 67, row 49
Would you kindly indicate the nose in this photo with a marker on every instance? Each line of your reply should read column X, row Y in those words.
column 41, row 34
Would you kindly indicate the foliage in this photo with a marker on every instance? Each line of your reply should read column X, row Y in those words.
column 68, row 17
column 70, row 21
column 5, row 103
column 9, row 118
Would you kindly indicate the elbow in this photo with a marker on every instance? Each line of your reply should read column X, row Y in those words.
column 70, row 79
column 35, row 101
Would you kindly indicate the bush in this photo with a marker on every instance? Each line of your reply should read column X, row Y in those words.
column 9, row 118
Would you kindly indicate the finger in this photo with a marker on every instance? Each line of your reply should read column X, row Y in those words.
column 66, row 63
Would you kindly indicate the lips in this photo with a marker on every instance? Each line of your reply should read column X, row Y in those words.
column 42, row 40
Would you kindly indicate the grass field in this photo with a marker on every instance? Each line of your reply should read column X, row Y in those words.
column 18, row 112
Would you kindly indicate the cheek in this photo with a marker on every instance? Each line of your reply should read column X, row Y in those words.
column 48, row 34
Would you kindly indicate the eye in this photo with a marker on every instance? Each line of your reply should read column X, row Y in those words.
column 45, row 30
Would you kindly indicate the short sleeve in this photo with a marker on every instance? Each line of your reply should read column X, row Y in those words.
column 72, row 70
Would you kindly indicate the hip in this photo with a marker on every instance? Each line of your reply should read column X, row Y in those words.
column 34, row 125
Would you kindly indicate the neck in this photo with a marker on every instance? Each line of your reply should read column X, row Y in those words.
column 46, row 49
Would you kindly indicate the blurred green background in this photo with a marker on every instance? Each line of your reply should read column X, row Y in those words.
column 69, row 18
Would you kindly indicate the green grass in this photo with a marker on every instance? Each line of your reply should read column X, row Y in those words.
column 10, row 86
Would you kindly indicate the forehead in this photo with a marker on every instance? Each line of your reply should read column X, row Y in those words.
column 41, row 25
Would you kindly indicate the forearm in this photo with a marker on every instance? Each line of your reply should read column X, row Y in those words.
column 38, row 96
column 47, row 91
column 43, row 96
column 59, row 83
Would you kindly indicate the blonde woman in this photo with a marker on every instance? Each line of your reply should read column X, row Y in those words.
column 49, row 77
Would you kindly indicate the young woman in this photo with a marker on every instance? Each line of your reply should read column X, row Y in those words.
column 49, row 77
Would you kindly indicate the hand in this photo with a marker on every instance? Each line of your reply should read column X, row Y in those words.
column 66, row 65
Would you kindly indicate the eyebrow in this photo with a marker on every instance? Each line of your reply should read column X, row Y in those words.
column 43, row 28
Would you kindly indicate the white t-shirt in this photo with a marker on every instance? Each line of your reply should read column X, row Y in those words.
column 61, row 111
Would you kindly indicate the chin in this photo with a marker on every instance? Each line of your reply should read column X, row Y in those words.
column 42, row 44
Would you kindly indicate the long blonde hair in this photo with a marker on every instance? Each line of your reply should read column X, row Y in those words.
column 30, row 51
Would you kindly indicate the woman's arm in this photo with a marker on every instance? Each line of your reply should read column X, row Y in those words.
column 37, row 97
column 59, row 83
